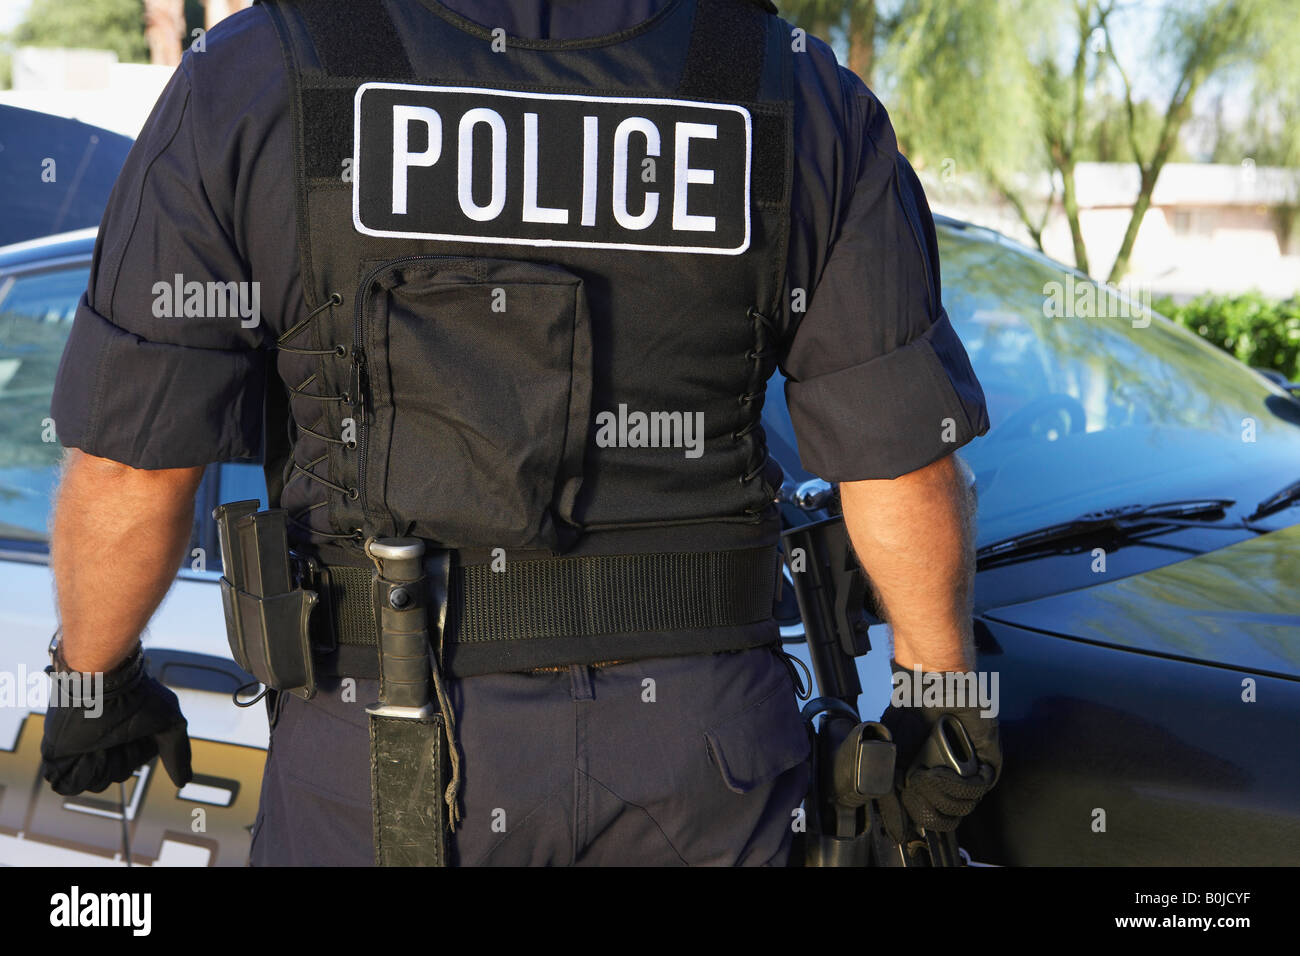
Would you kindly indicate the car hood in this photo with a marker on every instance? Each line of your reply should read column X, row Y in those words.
column 1237, row 607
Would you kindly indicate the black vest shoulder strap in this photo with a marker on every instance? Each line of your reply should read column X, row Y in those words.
column 719, row 24
column 332, row 25
column 733, row 25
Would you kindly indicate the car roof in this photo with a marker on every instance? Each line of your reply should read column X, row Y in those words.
column 33, row 143
column 64, row 245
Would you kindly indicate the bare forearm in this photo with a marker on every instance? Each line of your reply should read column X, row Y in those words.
column 117, row 537
column 913, row 535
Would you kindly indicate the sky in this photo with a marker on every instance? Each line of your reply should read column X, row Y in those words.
column 11, row 11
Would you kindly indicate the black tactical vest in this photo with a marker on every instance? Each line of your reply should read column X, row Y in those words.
column 542, row 279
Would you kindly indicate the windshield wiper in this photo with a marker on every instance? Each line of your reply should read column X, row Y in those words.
column 1276, row 501
column 1194, row 513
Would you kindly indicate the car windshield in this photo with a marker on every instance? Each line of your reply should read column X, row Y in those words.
column 1096, row 408
column 1092, row 406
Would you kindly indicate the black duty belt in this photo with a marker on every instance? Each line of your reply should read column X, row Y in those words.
column 568, row 597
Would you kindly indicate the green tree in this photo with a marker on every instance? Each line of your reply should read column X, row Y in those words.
column 856, row 21
column 1064, row 52
column 116, row 25
column 1024, row 90
column 1106, row 137
column 1200, row 39
column 1270, row 134
column 958, row 78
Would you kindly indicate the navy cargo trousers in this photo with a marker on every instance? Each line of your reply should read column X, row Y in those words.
column 698, row 760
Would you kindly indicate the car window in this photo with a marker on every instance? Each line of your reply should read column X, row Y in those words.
column 779, row 431
column 240, row 482
column 232, row 481
column 36, row 312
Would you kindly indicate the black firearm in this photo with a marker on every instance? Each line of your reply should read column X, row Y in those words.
column 853, row 760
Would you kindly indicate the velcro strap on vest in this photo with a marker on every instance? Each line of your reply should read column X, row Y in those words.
column 342, row 51
column 571, row 597
column 738, row 29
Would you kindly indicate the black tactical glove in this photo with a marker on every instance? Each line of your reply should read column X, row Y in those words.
column 935, row 798
column 99, row 739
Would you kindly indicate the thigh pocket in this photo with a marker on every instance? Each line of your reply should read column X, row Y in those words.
column 322, row 747
column 479, row 374
column 760, row 743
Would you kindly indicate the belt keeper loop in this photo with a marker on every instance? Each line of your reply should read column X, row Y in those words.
column 314, row 576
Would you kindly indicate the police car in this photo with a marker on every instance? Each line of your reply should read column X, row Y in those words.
column 1139, row 544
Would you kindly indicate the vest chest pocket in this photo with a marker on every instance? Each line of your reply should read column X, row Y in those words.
column 478, row 400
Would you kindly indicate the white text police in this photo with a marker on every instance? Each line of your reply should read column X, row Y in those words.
column 512, row 167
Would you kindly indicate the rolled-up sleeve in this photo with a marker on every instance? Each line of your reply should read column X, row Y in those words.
column 877, row 381
column 164, row 366
column 155, row 404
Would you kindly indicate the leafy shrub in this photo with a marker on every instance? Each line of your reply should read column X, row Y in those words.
column 1258, row 331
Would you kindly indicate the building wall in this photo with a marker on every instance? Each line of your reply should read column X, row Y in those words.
column 1183, row 249
column 1186, row 250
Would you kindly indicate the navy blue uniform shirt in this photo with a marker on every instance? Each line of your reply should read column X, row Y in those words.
column 874, row 368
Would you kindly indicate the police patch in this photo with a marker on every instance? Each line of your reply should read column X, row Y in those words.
column 481, row 165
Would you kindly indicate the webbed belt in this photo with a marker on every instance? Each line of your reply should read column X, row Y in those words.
column 535, row 600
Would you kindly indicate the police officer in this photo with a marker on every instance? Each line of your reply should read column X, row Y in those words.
column 521, row 270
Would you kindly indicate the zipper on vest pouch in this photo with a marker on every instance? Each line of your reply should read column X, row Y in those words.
column 359, row 378
column 359, row 416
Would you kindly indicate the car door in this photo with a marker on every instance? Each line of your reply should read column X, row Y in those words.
column 206, row 822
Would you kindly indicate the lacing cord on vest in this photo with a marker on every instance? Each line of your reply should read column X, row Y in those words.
column 341, row 351
column 300, row 391
column 327, row 438
column 764, row 330
column 333, row 300
column 306, row 472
